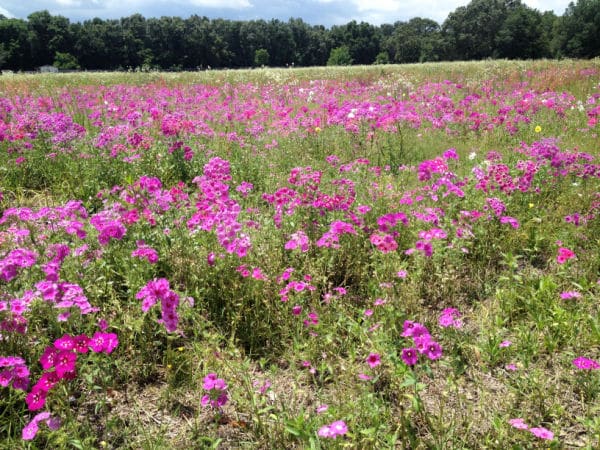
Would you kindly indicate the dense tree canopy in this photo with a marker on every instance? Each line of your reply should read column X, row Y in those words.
column 481, row 29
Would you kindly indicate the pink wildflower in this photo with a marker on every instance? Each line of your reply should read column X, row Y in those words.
column 519, row 424
column 564, row 254
column 584, row 363
column 410, row 356
column 542, row 433
column 373, row 360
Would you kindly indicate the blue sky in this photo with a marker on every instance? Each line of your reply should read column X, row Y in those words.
column 314, row 12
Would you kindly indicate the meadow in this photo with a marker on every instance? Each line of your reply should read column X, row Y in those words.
column 366, row 258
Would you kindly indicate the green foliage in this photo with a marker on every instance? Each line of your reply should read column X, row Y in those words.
column 65, row 61
column 505, row 282
column 261, row 57
column 481, row 29
column 340, row 56
column 382, row 58
column 578, row 31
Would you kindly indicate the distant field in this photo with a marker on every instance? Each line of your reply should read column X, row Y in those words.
column 365, row 257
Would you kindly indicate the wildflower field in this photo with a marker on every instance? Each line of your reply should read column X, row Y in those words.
column 372, row 257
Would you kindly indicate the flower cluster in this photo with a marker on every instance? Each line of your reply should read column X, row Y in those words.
column 59, row 361
column 15, row 260
column 333, row 430
column 422, row 341
column 156, row 290
column 217, row 391
column 216, row 210
column 384, row 242
column 108, row 226
column 31, row 429
column 64, row 296
column 564, row 254
column 146, row 252
column 14, row 370
column 300, row 240
column 540, row 432
column 584, row 363
column 331, row 237
column 450, row 317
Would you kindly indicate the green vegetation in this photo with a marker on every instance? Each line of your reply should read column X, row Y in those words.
column 479, row 30
column 398, row 256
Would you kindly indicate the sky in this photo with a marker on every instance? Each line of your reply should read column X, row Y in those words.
column 314, row 12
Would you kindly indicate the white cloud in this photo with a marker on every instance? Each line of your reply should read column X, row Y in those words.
column 390, row 11
column 70, row 3
column 229, row 4
column 6, row 13
column 316, row 12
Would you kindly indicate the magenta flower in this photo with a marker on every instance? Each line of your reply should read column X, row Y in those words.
column 65, row 343
column 410, row 356
column 433, row 350
column 519, row 424
column 510, row 220
column 542, row 433
column 564, row 254
column 332, row 431
column 325, row 431
column 584, row 363
column 339, row 427
column 144, row 251
column 82, row 343
column 36, row 399
column 450, row 317
column 373, row 360
column 299, row 240
column 568, row 295
column 408, row 328
column 48, row 380
column 156, row 290
column 103, row 342
column 30, row 430
column 217, row 391
column 65, row 363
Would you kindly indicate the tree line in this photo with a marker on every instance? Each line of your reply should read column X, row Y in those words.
column 482, row 29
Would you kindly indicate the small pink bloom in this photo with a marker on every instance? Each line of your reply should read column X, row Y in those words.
column 542, row 433
column 584, row 363
column 373, row 360
column 568, row 295
column 518, row 424
column 564, row 254
column 325, row 431
column 322, row 408
column 433, row 350
column 410, row 356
